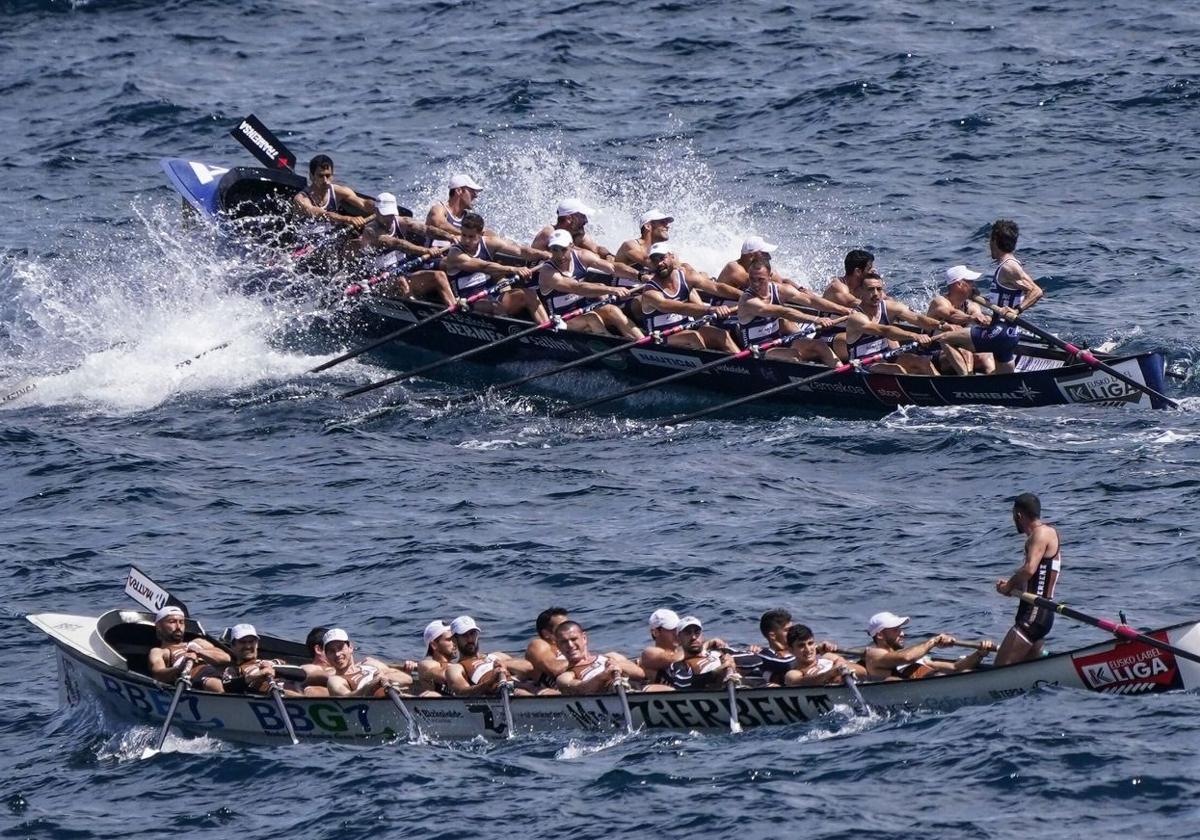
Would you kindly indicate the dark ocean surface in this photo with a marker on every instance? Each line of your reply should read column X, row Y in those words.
column 244, row 484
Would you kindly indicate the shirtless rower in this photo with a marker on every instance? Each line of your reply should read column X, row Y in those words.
column 440, row 651
column 872, row 329
column 476, row 674
column 350, row 678
column 845, row 289
column 655, row 228
column 168, row 660
column 248, row 674
column 673, row 298
column 322, row 199
column 542, row 651
column 703, row 665
column 664, row 632
column 954, row 306
column 1014, row 292
column 563, row 287
column 573, row 218
column 763, row 317
column 1037, row 575
column 444, row 219
column 385, row 237
column 589, row 673
column 889, row 658
column 812, row 666
column 471, row 266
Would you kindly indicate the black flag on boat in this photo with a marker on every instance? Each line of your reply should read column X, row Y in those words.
column 264, row 145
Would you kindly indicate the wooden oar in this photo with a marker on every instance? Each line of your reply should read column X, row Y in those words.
column 860, row 705
column 460, row 306
column 182, row 684
column 402, row 268
column 394, row 696
column 1121, row 631
column 506, row 687
column 674, row 377
column 637, row 342
column 735, row 725
column 1079, row 352
column 622, row 684
column 277, row 695
column 845, row 367
column 466, row 354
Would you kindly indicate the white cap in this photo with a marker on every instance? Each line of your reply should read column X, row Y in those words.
column 658, row 248
column 571, row 206
column 166, row 612
column 960, row 272
column 462, row 625
column 655, row 216
column 241, row 631
column 337, row 634
column 434, row 630
column 754, row 244
column 664, row 618
column 385, row 204
column 884, row 621
column 461, row 180
column 560, row 239
column 690, row 621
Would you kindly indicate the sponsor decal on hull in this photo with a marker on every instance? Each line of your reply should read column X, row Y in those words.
column 1130, row 668
column 481, row 333
column 668, row 360
column 1096, row 386
column 1023, row 394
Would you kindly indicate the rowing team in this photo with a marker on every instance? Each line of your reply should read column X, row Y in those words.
column 748, row 303
column 559, row 661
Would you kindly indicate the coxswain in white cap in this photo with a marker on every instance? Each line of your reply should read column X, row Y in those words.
column 477, row 674
column 322, row 199
column 172, row 654
column 654, row 227
column 388, row 236
column 367, row 678
column 888, row 657
column 444, row 219
column 565, row 282
column 473, row 265
column 573, row 216
column 673, row 297
column 542, row 650
column 586, row 672
column 953, row 306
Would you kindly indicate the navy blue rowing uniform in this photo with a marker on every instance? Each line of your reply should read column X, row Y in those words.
column 869, row 345
column 560, row 303
column 659, row 320
column 467, row 283
column 1033, row 623
column 760, row 328
column 999, row 338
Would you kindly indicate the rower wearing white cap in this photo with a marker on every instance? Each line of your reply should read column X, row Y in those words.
column 889, row 658
column 655, row 228
column 476, row 673
column 367, row 678
column 664, row 632
column 563, row 286
column 440, row 651
column 471, row 266
column 954, row 306
column 444, row 219
column 168, row 660
column 703, row 665
column 586, row 672
column 248, row 673
column 387, row 236
column 763, row 316
column 673, row 297
column 573, row 217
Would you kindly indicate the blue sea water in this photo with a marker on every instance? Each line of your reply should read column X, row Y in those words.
column 247, row 487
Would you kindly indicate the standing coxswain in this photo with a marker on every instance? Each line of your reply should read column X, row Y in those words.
column 563, row 287
column 1038, row 575
column 324, row 200
column 172, row 655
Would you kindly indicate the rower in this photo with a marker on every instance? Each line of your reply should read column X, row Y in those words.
column 1014, row 293
column 762, row 317
column 322, row 199
column 474, row 673
column 776, row 657
column 655, row 228
column 888, row 657
column 845, row 289
column 954, row 306
column 542, row 651
column 444, row 219
column 248, row 674
column 563, row 287
column 1038, row 575
column 872, row 329
column 811, row 666
column 440, row 651
column 471, row 266
column 703, row 665
column 573, row 218
column 754, row 249
column 168, row 660
column 368, row 678
column 588, row 673
column 386, row 237
column 673, row 298
column 664, row 632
